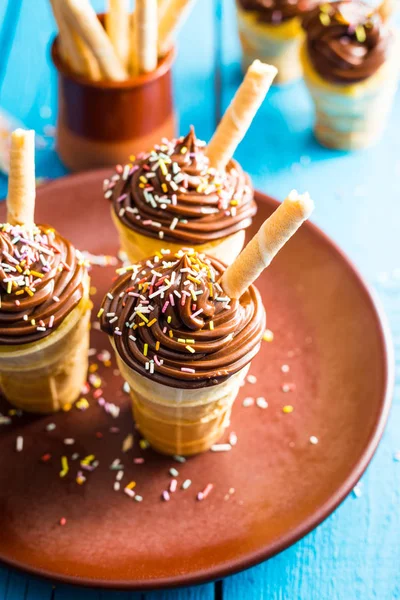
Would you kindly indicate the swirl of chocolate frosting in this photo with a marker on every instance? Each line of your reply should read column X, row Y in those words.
column 347, row 42
column 41, row 282
column 276, row 11
column 171, row 193
column 171, row 321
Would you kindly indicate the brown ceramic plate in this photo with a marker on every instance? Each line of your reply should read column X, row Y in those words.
column 327, row 329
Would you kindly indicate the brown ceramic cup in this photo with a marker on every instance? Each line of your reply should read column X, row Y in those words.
column 101, row 123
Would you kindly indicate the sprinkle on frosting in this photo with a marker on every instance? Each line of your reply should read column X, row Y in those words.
column 164, row 307
column 171, row 193
column 41, row 282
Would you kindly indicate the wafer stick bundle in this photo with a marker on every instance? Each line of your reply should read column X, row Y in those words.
column 130, row 43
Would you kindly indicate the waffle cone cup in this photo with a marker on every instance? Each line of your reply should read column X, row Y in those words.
column 45, row 376
column 139, row 247
column 277, row 45
column 350, row 117
column 181, row 421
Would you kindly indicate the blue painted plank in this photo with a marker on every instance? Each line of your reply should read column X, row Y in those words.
column 39, row 589
column 354, row 554
column 121, row 596
column 203, row 592
column 194, row 84
column 9, row 14
column 67, row 592
column 17, row 586
column 4, row 578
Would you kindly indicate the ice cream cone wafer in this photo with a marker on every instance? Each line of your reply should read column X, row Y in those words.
column 82, row 17
column 117, row 23
column 45, row 305
column 146, row 35
column 240, row 113
column 21, row 186
column 138, row 247
column 184, row 370
column 46, row 376
column 179, row 421
column 172, row 15
column 270, row 238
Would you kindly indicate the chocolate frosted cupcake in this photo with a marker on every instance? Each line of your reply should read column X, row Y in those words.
column 183, row 346
column 271, row 31
column 171, row 198
column 351, row 67
column 44, row 318
column 44, row 292
column 185, row 330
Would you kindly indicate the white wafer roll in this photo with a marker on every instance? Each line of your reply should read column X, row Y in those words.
column 91, row 64
column 270, row 238
column 82, row 17
column 133, row 59
column 21, row 183
column 240, row 113
column 68, row 49
column 172, row 15
column 118, row 28
column 146, row 35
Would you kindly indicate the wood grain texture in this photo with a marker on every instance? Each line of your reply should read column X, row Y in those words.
column 355, row 554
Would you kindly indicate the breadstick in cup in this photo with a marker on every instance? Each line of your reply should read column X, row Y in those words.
column 69, row 51
column 118, row 28
column 82, row 17
column 146, row 34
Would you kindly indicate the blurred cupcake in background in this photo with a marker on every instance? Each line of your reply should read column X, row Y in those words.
column 351, row 65
column 271, row 31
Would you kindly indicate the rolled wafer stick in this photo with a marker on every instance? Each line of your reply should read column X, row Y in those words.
column 21, row 183
column 91, row 65
column 146, row 35
column 270, row 238
column 133, row 59
column 172, row 15
column 68, row 48
column 73, row 49
column 240, row 113
column 82, row 17
column 118, row 28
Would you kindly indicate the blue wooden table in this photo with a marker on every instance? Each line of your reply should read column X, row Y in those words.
column 355, row 554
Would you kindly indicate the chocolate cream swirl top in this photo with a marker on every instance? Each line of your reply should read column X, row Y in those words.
column 171, row 193
column 41, row 282
column 171, row 321
column 347, row 42
column 276, row 11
